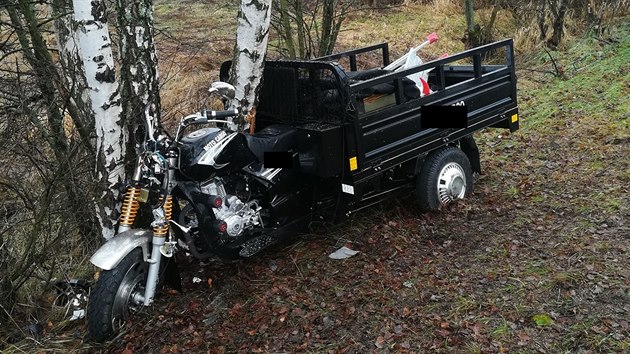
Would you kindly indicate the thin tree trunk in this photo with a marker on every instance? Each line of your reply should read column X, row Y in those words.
column 252, row 34
column 7, row 293
column 335, row 32
column 470, row 16
column 301, row 29
column 558, row 24
column 94, row 47
column 473, row 36
column 328, row 12
column 541, row 16
column 138, row 72
column 285, row 24
column 487, row 31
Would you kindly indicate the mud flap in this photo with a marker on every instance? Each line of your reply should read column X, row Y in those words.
column 469, row 147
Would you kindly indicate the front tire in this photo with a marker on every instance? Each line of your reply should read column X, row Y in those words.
column 445, row 176
column 113, row 297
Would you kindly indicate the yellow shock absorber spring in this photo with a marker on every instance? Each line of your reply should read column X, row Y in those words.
column 161, row 231
column 130, row 206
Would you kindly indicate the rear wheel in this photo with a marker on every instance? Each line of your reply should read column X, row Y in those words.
column 445, row 177
column 115, row 296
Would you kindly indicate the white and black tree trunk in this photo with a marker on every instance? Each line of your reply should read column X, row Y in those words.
column 88, row 46
column 252, row 34
column 138, row 72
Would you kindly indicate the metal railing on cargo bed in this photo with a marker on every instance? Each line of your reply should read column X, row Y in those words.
column 443, row 74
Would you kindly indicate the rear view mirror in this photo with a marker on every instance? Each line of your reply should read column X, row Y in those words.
column 223, row 89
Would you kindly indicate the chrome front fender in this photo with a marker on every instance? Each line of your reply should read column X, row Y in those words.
column 116, row 248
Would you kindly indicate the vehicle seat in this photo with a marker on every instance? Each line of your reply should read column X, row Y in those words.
column 274, row 138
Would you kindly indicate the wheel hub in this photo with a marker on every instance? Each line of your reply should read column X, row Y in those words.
column 451, row 184
column 128, row 296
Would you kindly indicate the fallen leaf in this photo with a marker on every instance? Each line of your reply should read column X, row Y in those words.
column 209, row 282
column 380, row 342
column 476, row 328
column 442, row 332
column 197, row 340
column 193, row 305
column 236, row 309
column 351, row 310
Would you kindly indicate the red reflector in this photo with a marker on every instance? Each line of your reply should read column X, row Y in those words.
column 222, row 226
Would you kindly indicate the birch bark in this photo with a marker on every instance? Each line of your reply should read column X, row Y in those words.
column 138, row 73
column 92, row 43
column 252, row 34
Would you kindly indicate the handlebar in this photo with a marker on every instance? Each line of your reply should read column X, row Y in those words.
column 203, row 117
column 222, row 114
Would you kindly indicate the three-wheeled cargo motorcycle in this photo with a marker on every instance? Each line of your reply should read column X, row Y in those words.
column 329, row 140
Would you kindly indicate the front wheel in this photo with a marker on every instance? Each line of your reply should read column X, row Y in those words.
column 116, row 295
column 446, row 176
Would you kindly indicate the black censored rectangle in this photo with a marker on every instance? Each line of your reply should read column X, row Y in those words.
column 444, row 117
column 276, row 159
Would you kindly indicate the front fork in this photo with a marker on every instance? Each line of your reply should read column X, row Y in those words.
column 160, row 226
column 162, row 218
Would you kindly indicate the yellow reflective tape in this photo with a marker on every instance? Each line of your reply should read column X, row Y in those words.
column 353, row 164
column 514, row 118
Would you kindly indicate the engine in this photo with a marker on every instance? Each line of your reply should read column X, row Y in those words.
column 238, row 215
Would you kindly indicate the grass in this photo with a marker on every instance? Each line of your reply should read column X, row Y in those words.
column 576, row 92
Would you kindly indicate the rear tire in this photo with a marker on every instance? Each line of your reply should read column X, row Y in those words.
column 111, row 299
column 445, row 176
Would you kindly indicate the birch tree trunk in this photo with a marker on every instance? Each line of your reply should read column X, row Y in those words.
column 93, row 46
column 138, row 72
column 252, row 34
